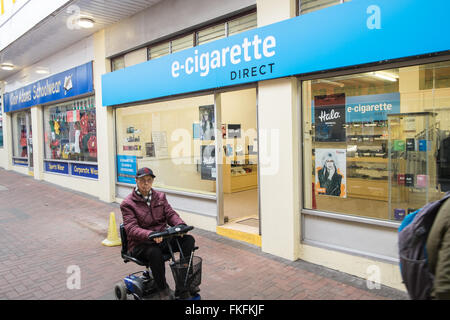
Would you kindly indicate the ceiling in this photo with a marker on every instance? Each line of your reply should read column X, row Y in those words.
column 53, row 34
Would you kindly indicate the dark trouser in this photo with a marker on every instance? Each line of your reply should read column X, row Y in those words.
column 153, row 253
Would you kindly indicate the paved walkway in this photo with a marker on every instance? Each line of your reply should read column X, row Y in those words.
column 47, row 232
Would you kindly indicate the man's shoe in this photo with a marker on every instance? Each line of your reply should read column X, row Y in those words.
column 165, row 294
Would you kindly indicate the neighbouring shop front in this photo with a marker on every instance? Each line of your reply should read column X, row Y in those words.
column 65, row 102
column 374, row 106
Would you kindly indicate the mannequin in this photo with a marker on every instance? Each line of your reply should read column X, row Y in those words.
column 77, row 138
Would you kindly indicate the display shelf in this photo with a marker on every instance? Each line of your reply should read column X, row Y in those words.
column 240, row 181
column 368, row 159
column 411, row 162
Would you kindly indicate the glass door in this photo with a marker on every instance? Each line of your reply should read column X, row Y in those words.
column 29, row 133
column 239, row 189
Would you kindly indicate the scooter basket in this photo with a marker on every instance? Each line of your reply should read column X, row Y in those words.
column 180, row 270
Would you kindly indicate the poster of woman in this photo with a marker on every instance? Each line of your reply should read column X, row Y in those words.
column 207, row 122
column 331, row 177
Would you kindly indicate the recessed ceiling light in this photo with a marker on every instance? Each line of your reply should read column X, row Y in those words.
column 86, row 23
column 42, row 70
column 385, row 76
column 7, row 66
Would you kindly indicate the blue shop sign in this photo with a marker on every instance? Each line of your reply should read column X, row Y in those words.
column 57, row 167
column 21, row 162
column 84, row 170
column 126, row 169
column 374, row 107
column 70, row 83
column 355, row 33
column 368, row 108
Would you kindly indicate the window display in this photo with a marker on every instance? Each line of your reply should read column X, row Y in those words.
column 412, row 161
column 22, row 139
column 176, row 139
column 377, row 140
column 70, row 131
column 20, row 147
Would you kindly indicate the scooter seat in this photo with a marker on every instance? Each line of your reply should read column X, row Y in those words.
column 127, row 258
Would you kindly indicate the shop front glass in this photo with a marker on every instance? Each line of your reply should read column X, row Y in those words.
column 70, row 131
column 176, row 139
column 377, row 144
column 22, row 138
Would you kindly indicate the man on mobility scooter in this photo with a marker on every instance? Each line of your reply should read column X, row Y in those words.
column 146, row 214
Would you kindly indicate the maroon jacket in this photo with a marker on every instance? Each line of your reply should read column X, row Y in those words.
column 140, row 220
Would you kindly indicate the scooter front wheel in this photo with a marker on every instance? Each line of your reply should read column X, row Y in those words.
column 120, row 291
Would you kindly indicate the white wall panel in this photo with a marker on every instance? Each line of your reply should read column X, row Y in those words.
column 374, row 241
column 166, row 18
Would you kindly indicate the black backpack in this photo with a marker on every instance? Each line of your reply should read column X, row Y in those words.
column 412, row 240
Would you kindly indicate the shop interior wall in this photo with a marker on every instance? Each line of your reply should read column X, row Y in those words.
column 239, row 107
column 167, row 18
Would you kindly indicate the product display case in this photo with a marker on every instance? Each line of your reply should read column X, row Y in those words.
column 412, row 150
column 240, row 169
column 367, row 160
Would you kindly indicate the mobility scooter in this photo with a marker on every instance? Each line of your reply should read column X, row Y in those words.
column 186, row 271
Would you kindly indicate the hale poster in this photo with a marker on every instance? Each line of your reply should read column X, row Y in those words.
column 208, row 164
column 329, row 118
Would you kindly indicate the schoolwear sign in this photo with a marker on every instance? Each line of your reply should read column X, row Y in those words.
column 70, row 83
column 299, row 45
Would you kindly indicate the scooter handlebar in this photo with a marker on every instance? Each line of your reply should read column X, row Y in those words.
column 171, row 231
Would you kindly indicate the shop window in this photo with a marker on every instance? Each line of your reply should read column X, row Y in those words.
column 183, row 43
column 118, row 63
column 208, row 34
column 377, row 144
column 306, row 6
column 213, row 33
column 159, row 50
column 173, row 138
column 242, row 24
column 134, row 57
column 21, row 131
column 70, row 131
column 1, row 122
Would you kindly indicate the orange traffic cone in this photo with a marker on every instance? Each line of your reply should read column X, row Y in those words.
column 113, row 237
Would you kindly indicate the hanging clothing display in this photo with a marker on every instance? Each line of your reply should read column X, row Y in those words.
column 92, row 146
